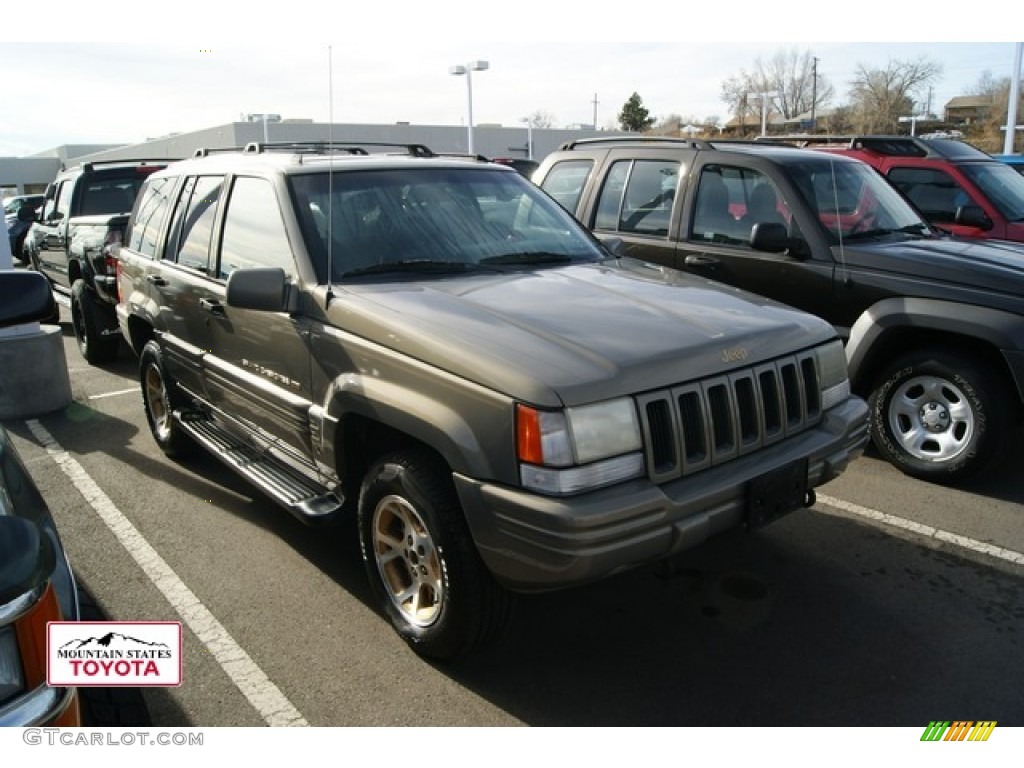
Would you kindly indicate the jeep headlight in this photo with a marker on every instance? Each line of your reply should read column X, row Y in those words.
column 835, row 381
column 578, row 449
column 12, row 679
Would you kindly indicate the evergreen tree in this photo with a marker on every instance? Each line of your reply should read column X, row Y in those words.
column 634, row 115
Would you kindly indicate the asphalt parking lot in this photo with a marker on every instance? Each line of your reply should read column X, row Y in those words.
column 890, row 603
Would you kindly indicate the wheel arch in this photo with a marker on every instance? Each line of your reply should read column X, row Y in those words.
column 893, row 326
column 139, row 332
column 370, row 417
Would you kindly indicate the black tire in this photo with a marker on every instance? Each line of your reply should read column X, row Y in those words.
column 18, row 249
column 160, row 398
column 941, row 416
column 108, row 707
column 421, row 561
column 87, row 322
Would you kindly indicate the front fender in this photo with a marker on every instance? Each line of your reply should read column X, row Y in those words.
column 476, row 439
column 1001, row 330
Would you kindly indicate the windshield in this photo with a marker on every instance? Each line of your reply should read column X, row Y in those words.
column 433, row 221
column 853, row 201
column 1003, row 186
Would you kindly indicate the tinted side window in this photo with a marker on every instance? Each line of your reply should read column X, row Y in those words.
column 565, row 182
column 935, row 193
column 150, row 212
column 192, row 231
column 730, row 201
column 60, row 204
column 254, row 233
column 647, row 207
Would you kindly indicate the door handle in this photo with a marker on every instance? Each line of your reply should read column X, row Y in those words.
column 212, row 306
column 155, row 280
column 694, row 260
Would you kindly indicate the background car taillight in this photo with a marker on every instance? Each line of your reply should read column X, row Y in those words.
column 111, row 264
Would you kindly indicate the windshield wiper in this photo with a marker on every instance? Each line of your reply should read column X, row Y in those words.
column 528, row 257
column 918, row 230
column 424, row 266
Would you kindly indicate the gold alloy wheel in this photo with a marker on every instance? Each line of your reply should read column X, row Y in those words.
column 407, row 561
column 156, row 402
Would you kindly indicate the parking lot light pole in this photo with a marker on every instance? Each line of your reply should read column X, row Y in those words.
column 529, row 137
column 468, row 70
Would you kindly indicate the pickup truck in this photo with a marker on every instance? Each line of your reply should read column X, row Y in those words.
column 933, row 324
column 85, row 211
column 434, row 347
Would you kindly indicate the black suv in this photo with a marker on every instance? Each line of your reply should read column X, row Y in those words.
column 934, row 326
column 433, row 346
column 84, row 213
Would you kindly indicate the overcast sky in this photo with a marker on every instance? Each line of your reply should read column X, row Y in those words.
column 386, row 70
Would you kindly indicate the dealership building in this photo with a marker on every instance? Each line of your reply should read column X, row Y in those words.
column 31, row 174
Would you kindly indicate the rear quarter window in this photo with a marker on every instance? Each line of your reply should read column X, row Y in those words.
column 565, row 182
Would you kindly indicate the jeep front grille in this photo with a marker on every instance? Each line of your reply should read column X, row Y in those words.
column 705, row 423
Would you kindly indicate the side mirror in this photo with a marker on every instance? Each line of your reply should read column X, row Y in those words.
column 769, row 236
column 261, row 288
column 26, row 213
column 25, row 297
column 972, row 216
column 615, row 246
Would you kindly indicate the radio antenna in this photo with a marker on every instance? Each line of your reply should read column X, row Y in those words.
column 330, row 177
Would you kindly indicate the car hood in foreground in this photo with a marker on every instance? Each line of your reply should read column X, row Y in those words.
column 576, row 334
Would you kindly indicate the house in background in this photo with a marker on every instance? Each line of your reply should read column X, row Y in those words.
column 964, row 110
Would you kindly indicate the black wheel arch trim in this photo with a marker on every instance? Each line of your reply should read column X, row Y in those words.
column 1001, row 330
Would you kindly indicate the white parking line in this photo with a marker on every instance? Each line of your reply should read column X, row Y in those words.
column 131, row 391
column 924, row 530
column 265, row 697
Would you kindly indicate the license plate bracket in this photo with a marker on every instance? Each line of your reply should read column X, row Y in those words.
column 776, row 493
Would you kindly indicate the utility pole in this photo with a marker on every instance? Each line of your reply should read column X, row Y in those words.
column 1011, row 110
column 814, row 89
column 595, row 102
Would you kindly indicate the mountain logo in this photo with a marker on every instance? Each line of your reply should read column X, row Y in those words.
column 109, row 653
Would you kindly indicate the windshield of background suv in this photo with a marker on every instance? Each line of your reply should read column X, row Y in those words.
column 1001, row 184
column 433, row 220
column 853, row 201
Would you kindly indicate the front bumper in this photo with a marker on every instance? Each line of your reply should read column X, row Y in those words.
column 533, row 543
column 44, row 706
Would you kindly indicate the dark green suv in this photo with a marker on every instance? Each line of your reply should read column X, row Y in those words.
column 434, row 346
column 934, row 325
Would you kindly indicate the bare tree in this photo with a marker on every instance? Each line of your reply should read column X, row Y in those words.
column 880, row 97
column 541, row 119
column 790, row 75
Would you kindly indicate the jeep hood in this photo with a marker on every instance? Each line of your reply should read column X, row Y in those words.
column 961, row 266
column 576, row 334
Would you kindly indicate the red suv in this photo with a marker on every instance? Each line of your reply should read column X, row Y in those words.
column 957, row 187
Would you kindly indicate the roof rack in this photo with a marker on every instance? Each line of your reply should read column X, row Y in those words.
column 206, row 151
column 693, row 143
column 903, row 146
column 91, row 164
column 758, row 141
column 466, row 155
column 328, row 147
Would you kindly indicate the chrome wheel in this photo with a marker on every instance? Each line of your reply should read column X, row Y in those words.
column 407, row 561
column 931, row 418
